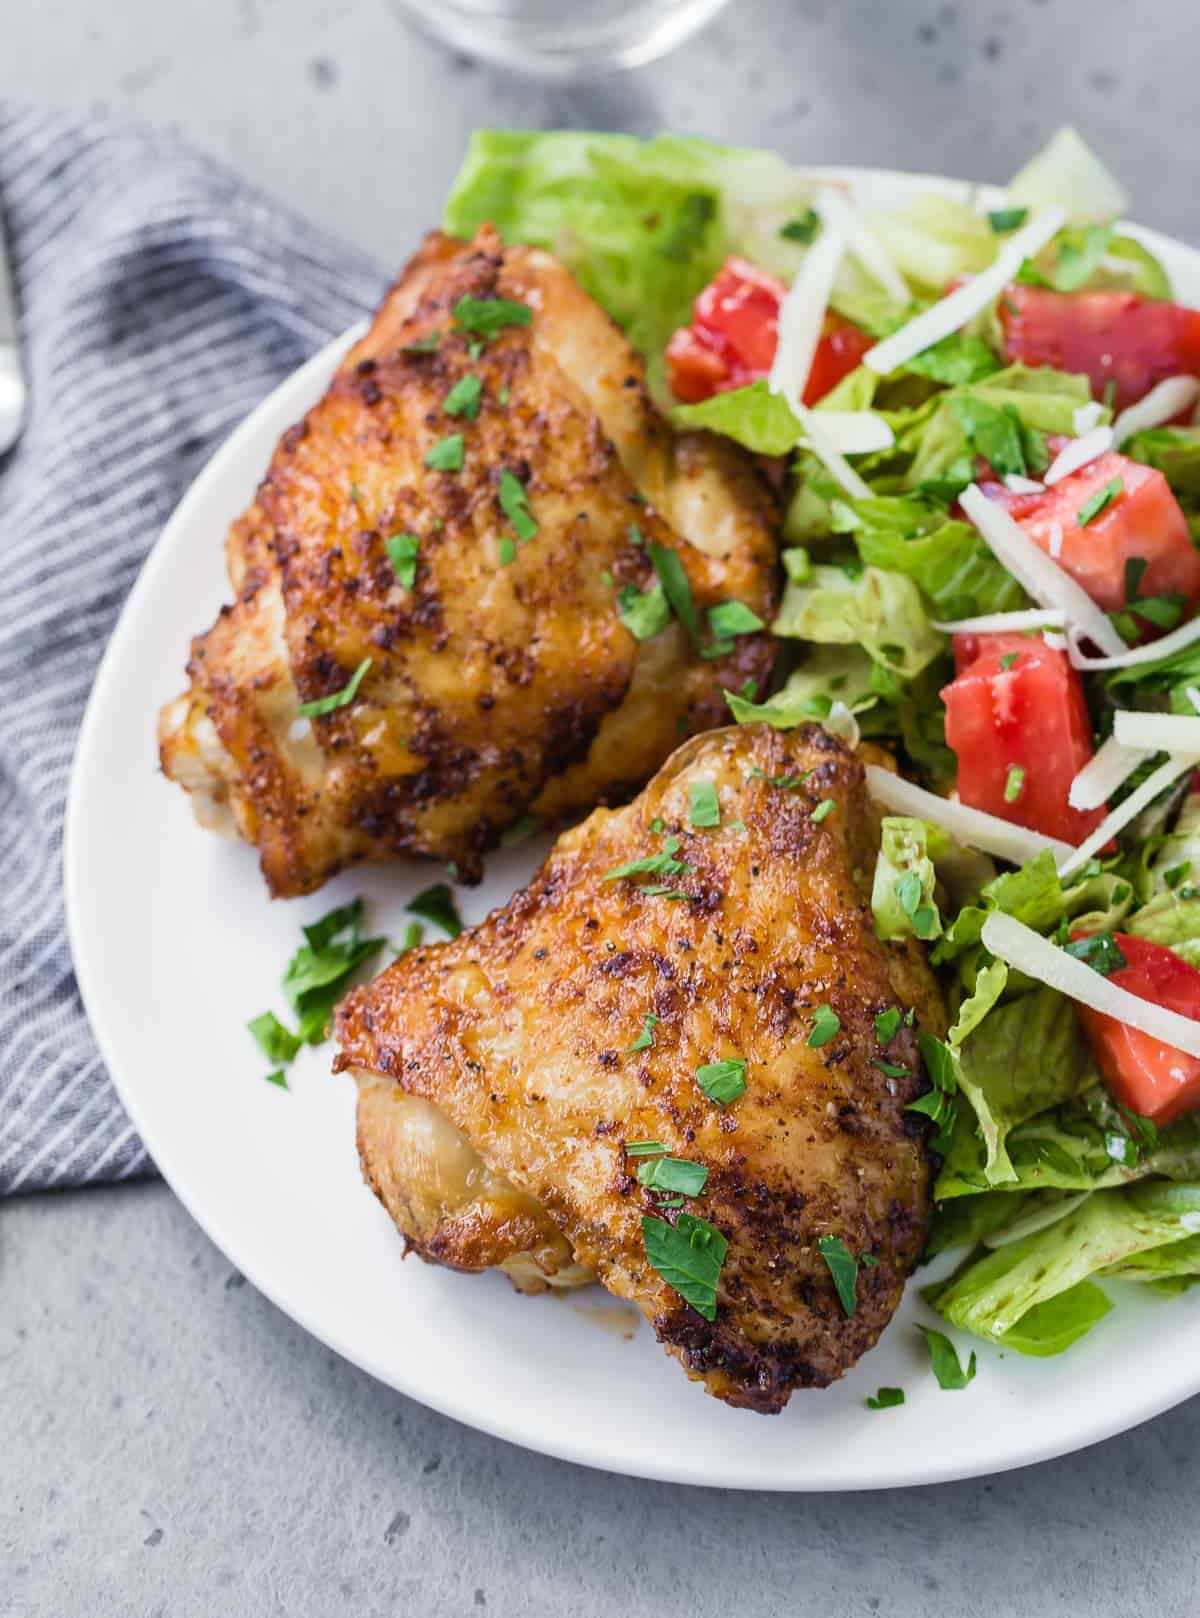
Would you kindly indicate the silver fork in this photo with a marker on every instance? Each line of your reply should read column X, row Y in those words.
column 13, row 389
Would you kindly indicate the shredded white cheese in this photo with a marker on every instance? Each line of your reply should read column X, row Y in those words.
column 1078, row 453
column 856, row 432
column 1100, row 777
column 866, row 247
column 1162, row 404
column 1087, row 417
column 802, row 313
column 1131, row 656
column 1004, row 623
column 1159, row 732
column 827, row 452
column 1010, row 940
column 1129, row 809
column 1016, row 484
column 1056, row 539
column 953, row 312
column 1037, row 574
column 974, row 828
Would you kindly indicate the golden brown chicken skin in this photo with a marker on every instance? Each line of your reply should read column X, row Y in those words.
column 502, row 682
column 519, row 1034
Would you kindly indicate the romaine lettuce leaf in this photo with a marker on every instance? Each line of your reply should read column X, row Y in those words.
column 1172, row 920
column 934, row 240
column 1067, row 171
column 642, row 225
column 753, row 416
column 1035, row 895
column 995, row 1294
column 881, row 612
column 902, row 897
column 830, row 674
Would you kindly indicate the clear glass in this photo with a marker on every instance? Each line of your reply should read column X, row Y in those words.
column 561, row 39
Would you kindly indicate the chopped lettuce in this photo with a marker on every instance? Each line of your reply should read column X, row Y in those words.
column 902, row 897
column 935, row 239
column 881, row 612
column 1171, row 919
column 1035, row 895
column 1067, row 171
column 642, row 225
column 999, row 1295
column 753, row 416
column 830, row 674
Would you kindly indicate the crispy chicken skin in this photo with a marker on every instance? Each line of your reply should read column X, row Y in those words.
column 494, row 690
column 518, row 1034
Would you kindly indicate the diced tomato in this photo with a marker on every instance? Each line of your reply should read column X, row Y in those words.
column 734, row 332
column 1109, row 336
column 1143, row 1074
column 1143, row 522
column 1018, row 723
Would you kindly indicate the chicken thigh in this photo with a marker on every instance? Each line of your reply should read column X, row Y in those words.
column 515, row 1083
column 446, row 556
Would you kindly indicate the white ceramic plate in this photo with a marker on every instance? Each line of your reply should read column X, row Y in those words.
column 176, row 945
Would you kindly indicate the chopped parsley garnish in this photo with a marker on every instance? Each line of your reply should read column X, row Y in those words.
column 843, row 1267
column 673, row 1174
column 463, row 398
column 824, row 808
column 487, row 316
column 436, row 905
column 887, row 1026
column 785, row 783
column 447, row 454
column 943, row 1357
column 885, row 1399
column 355, row 493
column 1099, row 502
column 704, row 806
column 503, row 397
column 940, row 1103
column 413, row 934
column 277, row 1043
column 520, row 831
column 826, row 1023
column 402, row 554
column 892, row 1069
column 423, row 345
column 658, row 825
column 1101, row 952
column 644, row 1148
column 636, row 537
column 506, row 550
column 733, row 618
column 514, row 501
column 1002, row 220
column 994, row 433
column 1007, row 661
column 688, row 1255
column 645, row 1039
column 723, row 1081
column 644, row 613
column 337, row 699
column 664, row 864
column 1014, row 783
column 675, row 584
column 910, row 896
column 277, row 1076
column 803, row 228
column 313, row 982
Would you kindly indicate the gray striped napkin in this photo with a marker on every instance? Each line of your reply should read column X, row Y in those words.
column 162, row 299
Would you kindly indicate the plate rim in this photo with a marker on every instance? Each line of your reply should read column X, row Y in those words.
column 488, row 1419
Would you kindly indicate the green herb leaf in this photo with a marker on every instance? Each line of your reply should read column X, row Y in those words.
column 670, row 569
column 733, row 618
column 1101, row 952
column 277, row 1043
column 487, row 316
column 995, row 433
column 843, row 1267
column 887, row 1026
column 823, row 809
column 644, row 1148
column 644, row 613
column 723, row 1081
column 1007, row 661
column 803, row 228
column 436, row 905
column 688, row 1255
column 645, row 1039
column 423, row 345
column 1090, row 509
column 514, row 501
column 337, row 699
column 673, row 1174
column 785, row 783
column 892, row 1069
column 520, row 831
column 278, row 1077
column 318, row 972
column 886, row 1399
column 463, row 398
column 664, row 864
column 704, row 806
column 1002, row 220
column 402, row 554
column 506, row 550
column 447, row 454
column 1014, row 783
column 943, row 1357
column 413, row 934
column 826, row 1023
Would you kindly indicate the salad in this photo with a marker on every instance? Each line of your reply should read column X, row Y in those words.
column 979, row 417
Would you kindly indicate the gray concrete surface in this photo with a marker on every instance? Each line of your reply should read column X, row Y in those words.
column 169, row 1443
